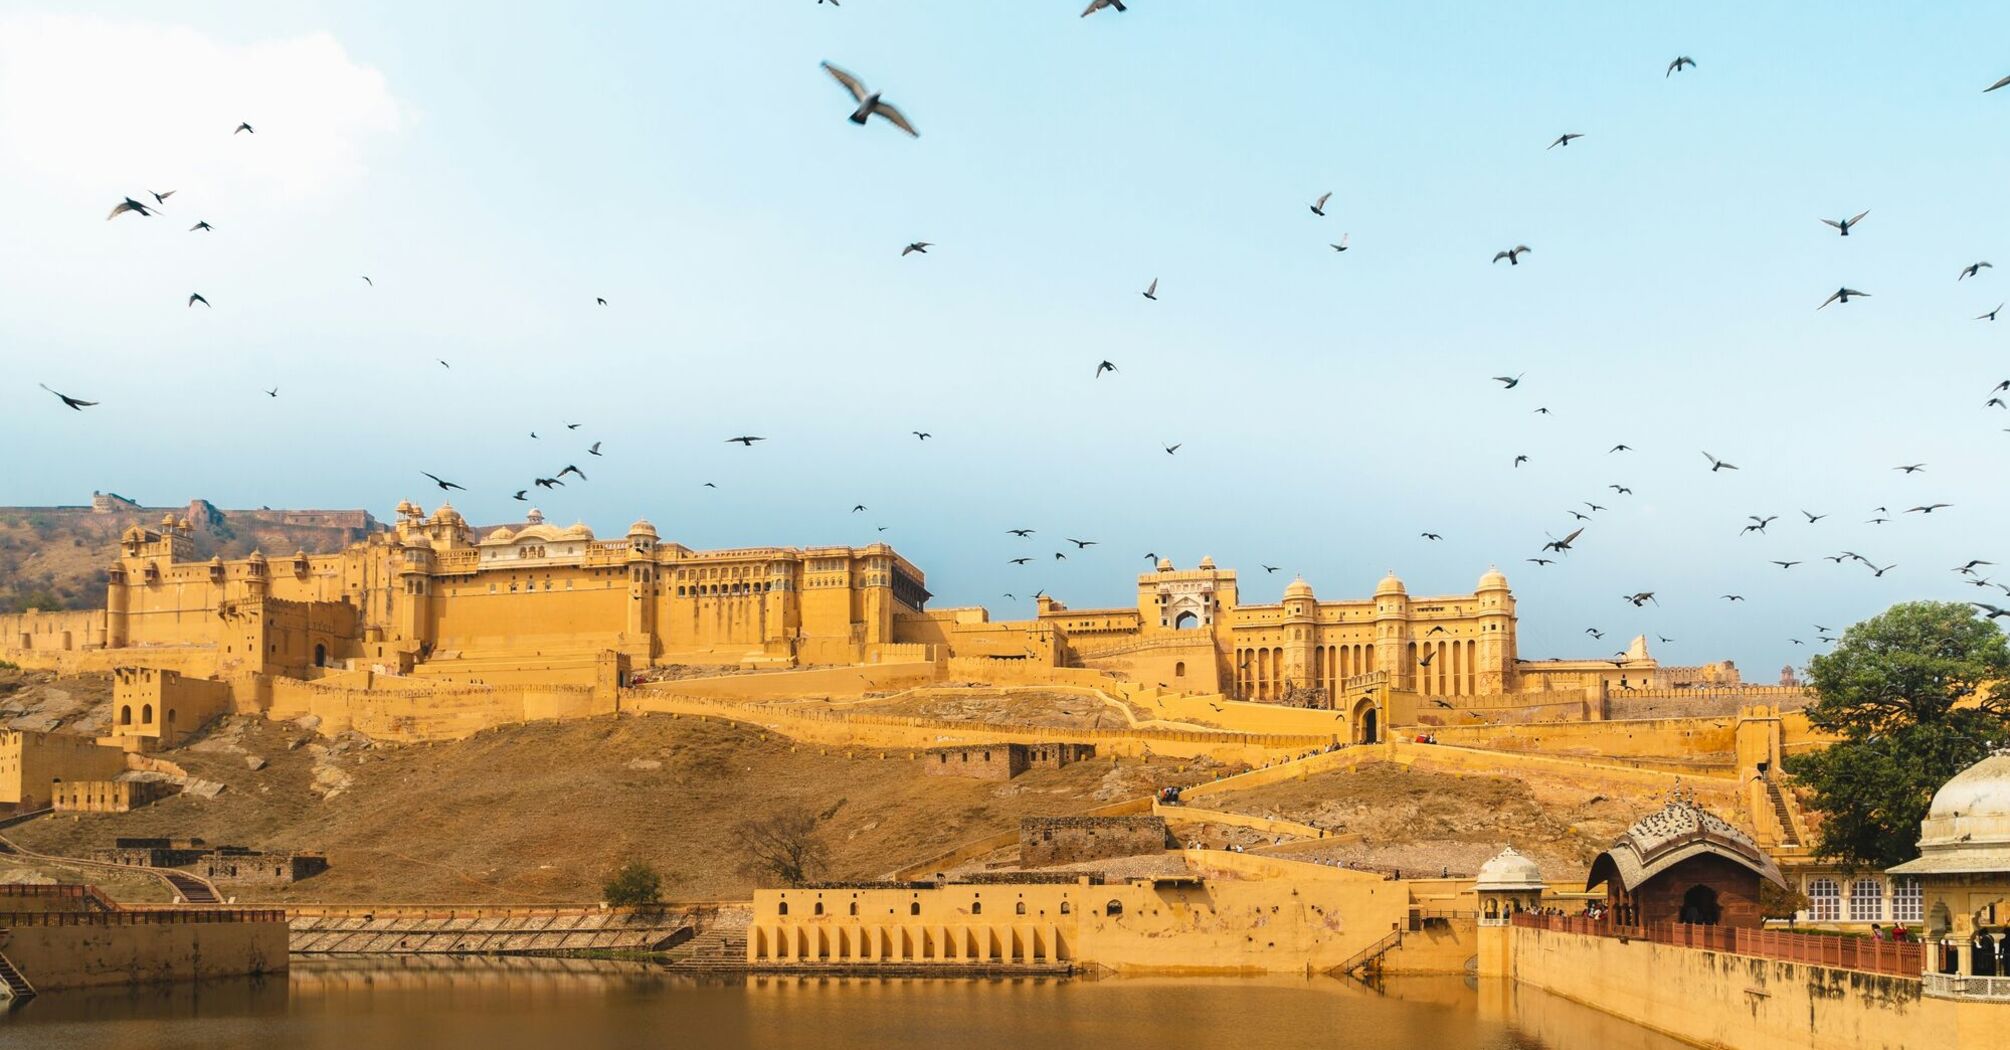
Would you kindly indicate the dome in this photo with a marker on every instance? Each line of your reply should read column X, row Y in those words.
column 1206, row 562
column 1493, row 580
column 535, row 517
column 1165, row 565
column 539, row 531
column 1678, row 831
column 257, row 557
column 1507, row 872
column 577, row 531
column 642, row 528
column 1967, row 828
column 501, row 535
column 1298, row 589
column 1390, row 585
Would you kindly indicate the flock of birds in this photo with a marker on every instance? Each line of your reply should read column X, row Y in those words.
column 868, row 104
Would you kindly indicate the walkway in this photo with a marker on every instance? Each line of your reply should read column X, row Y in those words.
column 186, row 886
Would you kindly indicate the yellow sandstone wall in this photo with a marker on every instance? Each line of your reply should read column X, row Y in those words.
column 31, row 762
column 144, row 952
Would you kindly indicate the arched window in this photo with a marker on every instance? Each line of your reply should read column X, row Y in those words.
column 1179, row 669
column 1114, row 907
column 1905, row 901
column 1866, row 900
column 1020, row 909
column 126, row 715
column 320, row 655
column 782, row 908
column 818, row 909
column 1824, row 901
column 914, row 907
column 146, row 714
column 854, row 907
column 1493, row 908
column 1065, row 908
column 976, row 907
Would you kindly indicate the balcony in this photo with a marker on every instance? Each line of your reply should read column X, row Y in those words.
column 1963, row 986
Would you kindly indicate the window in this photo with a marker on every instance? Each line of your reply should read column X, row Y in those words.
column 1020, row 909
column 854, row 907
column 1866, row 900
column 914, row 907
column 1905, row 901
column 1065, row 908
column 976, row 907
column 819, row 909
column 782, row 908
column 1824, row 901
column 1114, row 907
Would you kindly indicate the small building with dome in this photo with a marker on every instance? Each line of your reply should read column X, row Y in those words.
column 1508, row 885
column 1684, row 864
column 1963, row 872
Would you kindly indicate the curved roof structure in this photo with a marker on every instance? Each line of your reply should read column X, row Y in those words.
column 1507, row 872
column 1967, row 828
column 1680, row 830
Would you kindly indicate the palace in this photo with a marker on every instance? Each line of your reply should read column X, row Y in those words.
column 435, row 597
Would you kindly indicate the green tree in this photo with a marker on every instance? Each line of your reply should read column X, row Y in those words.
column 1906, row 692
column 635, row 884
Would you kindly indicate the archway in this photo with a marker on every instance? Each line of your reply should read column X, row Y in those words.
column 320, row 655
column 1186, row 621
column 146, row 714
column 1699, row 906
column 1365, row 729
column 126, row 715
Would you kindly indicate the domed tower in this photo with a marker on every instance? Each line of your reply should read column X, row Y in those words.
column 1300, row 630
column 1508, row 884
column 412, row 602
column 641, row 633
column 1494, row 664
column 257, row 582
column 1392, row 632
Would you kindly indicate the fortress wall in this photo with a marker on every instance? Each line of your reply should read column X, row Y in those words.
column 832, row 681
column 439, row 714
column 964, row 853
column 44, row 632
column 1760, row 1002
column 1658, row 738
column 1269, row 826
column 1243, row 716
column 195, row 661
column 1279, row 772
column 1025, row 672
column 1719, row 793
column 131, row 949
column 1522, row 708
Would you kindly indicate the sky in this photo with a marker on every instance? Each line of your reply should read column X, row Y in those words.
column 691, row 164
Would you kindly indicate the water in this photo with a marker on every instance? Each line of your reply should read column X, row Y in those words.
column 573, row 1005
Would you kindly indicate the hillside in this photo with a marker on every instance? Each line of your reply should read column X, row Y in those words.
column 55, row 557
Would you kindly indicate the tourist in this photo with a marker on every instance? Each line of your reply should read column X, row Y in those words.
column 1899, row 934
column 1876, row 932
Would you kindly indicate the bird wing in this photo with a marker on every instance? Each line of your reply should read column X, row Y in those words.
column 1833, row 223
column 124, row 206
column 2001, row 83
column 1154, row 286
column 1833, row 296
column 886, row 110
column 1323, row 198
column 1498, row 256
column 1858, row 217
column 1572, row 538
column 851, row 83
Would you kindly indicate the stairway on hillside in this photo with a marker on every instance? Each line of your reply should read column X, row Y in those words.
column 1781, row 813
column 721, row 946
column 15, row 985
column 192, row 890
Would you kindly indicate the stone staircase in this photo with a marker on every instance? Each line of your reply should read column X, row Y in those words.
column 720, row 946
column 192, row 889
column 15, row 987
column 1788, row 837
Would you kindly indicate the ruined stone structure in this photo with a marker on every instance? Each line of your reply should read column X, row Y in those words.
column 232, row 864
column 1001, row 761
column 108, row 796
column 1045, row 842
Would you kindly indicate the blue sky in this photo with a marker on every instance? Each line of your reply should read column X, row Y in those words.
column 690, row 163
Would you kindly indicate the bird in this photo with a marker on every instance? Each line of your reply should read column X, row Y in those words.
column 1509, row 382
column 1911, row 468
column 573, row 426
column 1151, row 556
column 1973, row 563
column 1994, row 612
column 1875, row 571
column 554, row 483
column 1819, row 629
column 745, row 439
column 160, row 199
column 709, row 485
column 1058, row 556
column 520, row 497
column 1269, row 568
column 1561, row 545
column 443, row 483
column 1021, row 533
column 869, row 103
column 127, row 205
column 208, row 228
column 1877, row 521
column 1842, row 295
column 1519, row 460
column 1430, row 535
column 1174, row 447
column 1512, row 255
column 921, row 435
column 1639, row 598
column 1619, row 448
column 1842, row 225
column 857, row 507
column 1786, row 564
column 196, row 297
column 1579, row 517
column 1425, row 660
column 1718, row 464
column 1621, row 489
column 1593, row 506
column 1319, row 206
column 599, row 300
column 2001, row 83
column 1991, row 315
column 1094, row 6
column 595, row 450
column 1797, row 641
column 1994, row 402
column 1594, row 632
column 1676, row 66
column 1665, row 640
column 1974, row 269
column 1152, row 290
column 1732, row 597
column 274, row 392
column 1439, row 629
column 246, row 127
column 75, row 404
column 1542, row 411
column 916, row 248
column 1812, row 518
column 1758, row 524
column 1541, row 561
column 1927, row 509
column 1080, row 544
column 1342, row 246
column 443, row 362
column 1102, row 367
column 1564, row 139
column 570, row 469
column 367, row 280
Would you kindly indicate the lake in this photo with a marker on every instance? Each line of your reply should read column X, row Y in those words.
column 446, row 1004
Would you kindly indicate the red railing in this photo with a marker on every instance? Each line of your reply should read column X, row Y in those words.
column 1843, row 953
column 140, row 918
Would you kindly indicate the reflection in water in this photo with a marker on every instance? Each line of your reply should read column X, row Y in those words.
column 444, row 1004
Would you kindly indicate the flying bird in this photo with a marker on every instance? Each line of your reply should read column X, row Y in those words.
column 75, row 404
column 1786, row 564
column 599, row 300
column 1561, row 545
column 204, row 226
column 1812, row 518
column 2001, row 83
column 161, row 199
column 1319, row 206
column 868, row 102
column 1510, row 382
column 274, row 392
column 1564, row 139
column 1102, row 367
column 573, row 426
column 857, row 507
column 1269, row 568
column 1541, row 561
column 520, row 497
column 1580, row 517
column 1677, row 65
column 1991, row 315
column 1619, row 448
column 196, row 297
column 1732, row 597
column 1639, row 598
column 1994, row 612
column 1058, row 556
column 1512, row 255
column 1718, row 464
column 1175, row 447
column 127, row 205
column 1911, row 468
column 747, row 440
column 1974, row 269
column 367, row 280
column 1843, row 225
column 595, row 450
column 554, row 483
column 1080, row 544
column 1928, row 509
column 443, row 483
column 1592, row 505
column 1543, row 411
column 1342, row 246
column 570, row 469
column 1425, row 660
column 1430, row 535
column 1095, row 6
column 921, row 435
column 1842, row 295
column 1021, row 533
column 245, row 127
column 1020, row 561
column 1594, row 632
column 1519, row 460
column 1152, row 291
column 916, row 247
column 1877, row 572
column 1621, row 489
